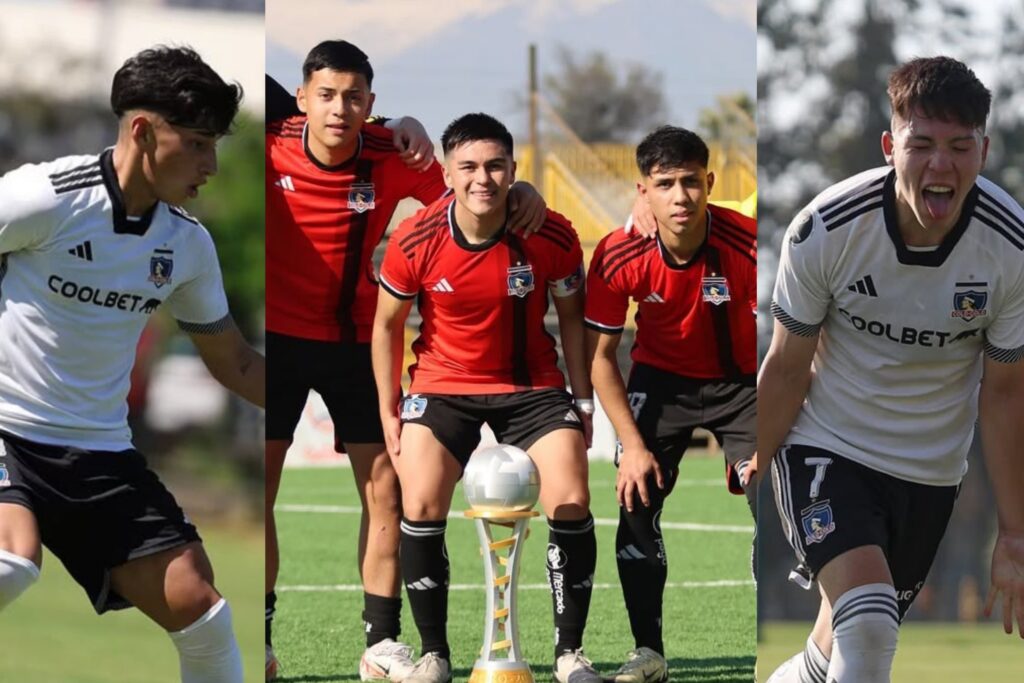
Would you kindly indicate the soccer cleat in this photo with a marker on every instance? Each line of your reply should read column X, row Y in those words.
column 430, row 668
column 386, row 660
column 271, row 664
column 643, row 665
column 573, row 667
column 788, row 671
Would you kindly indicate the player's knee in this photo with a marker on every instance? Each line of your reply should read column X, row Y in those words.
column 865, row 626
column 416, row 510
column 207, row 650
column 571, row 508
column 16, row 575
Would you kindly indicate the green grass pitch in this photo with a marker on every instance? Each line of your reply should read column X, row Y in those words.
column 52, row 635
column 709, row 607
column 928, row 653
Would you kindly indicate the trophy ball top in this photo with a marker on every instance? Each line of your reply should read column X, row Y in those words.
column 501, row 478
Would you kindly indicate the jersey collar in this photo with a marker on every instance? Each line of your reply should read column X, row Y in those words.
column 122, row 226
column 322, row 166
column 671, row 263
column 460, row 238
column 933, row 258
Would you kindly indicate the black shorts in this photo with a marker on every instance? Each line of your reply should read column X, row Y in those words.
column 518, row 419
column 340, row 372
column 96, row 509
column 829, row 504
column 667, row 408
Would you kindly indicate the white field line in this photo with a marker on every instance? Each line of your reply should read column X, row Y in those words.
column 600, row 521
column 352, row 587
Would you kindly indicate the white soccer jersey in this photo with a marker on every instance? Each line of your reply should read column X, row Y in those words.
column 898, row 363
column 78, row 282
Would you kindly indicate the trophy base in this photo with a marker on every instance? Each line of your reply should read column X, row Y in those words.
column 501, row 672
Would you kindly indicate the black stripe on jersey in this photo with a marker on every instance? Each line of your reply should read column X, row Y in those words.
column 81, row 184
column 426, row 225
column 861, row 210
column 520, row 364
column 394, row 292
column 84, row 169
column 555, row 237
column 620, row 247
column 377, row 144
column 1004, row 355
column 735, row 240
column 410, row 242
column 351, row 269
column 1001, row 220
column 620, row 260
column 720, row 321
column 215, row 327
column 181, row 213
column 792, row 324
column 850, row 199
column 604, row 329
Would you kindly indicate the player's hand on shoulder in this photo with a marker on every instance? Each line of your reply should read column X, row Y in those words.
column 527, row 210
column 412, row 142
column 1008, row 579
column 642, row 219
column 636, row 465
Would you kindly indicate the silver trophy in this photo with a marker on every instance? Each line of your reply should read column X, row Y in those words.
column 501, row 485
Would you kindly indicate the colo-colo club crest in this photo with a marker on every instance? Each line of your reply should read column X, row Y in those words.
column 970, row 304
column 360, row 197
column 715, row 289
column 160, row 267
column 520, row 280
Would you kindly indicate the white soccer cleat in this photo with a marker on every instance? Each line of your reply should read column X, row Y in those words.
column 643, row 665
column 387, row 660
column 272, row 664
column 573, row 667
column 430, row 668
column 788, row 671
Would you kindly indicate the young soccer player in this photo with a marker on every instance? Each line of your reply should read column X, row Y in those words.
column 899, row 321
column 694, row 358
column 484, row 357
column 91, row 246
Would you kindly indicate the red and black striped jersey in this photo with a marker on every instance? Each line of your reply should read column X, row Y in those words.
column 322, row 226
column 696, row 319
column 482, row 305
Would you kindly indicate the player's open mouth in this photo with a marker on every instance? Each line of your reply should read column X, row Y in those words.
column 938, row 200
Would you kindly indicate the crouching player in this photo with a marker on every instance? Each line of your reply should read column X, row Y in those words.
column 693, row 362
column 483, row 356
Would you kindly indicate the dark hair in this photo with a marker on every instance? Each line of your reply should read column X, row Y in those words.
column 941, row 88
column 337, row 55
column 474, row 127
column 670, row 147
column 177, row 84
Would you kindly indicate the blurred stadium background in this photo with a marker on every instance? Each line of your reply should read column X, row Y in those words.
column 600, row 86
column 57, row 59
column 822, row 70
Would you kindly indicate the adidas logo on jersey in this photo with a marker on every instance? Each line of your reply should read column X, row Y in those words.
column 82, row 251
column 443, row 286
column 654, row 298
column 865, row 285
column 285, row 183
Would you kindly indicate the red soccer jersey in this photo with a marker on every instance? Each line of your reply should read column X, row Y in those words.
column 696, row 320
column 322, row 226
column 482, row 305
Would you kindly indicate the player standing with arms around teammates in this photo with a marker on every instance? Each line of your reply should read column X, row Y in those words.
column 694, row 361
column 483, row 356
column 91, row 246
column 899, row 320
column 332, row 187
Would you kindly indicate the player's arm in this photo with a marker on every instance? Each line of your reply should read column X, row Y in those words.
column 570, row 326
column 527, row 210
column 1001, row 409
column 412, row 142
column 636, row 463
column 231, row 360
column 387, row 348
column 782, row 385
column 642, row 218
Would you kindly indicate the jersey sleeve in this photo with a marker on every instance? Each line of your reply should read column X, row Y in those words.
column 568, row 275
column 27, row 204
column 607, row 302
column 200, row 301
column 1004, row 337
column 802, row 295
column 398, row 273
column 427, row 187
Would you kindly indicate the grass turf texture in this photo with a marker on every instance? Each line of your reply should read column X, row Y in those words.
column 708, row 630
column 52, row 635
column 936, row 653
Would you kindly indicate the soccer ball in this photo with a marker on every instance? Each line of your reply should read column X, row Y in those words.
column 501, row 478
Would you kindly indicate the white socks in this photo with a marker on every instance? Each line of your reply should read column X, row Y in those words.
column 865, row 628
column 16, row 575
column 207, row 649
